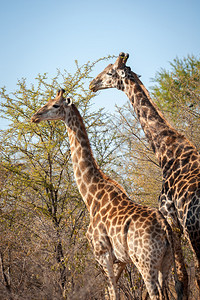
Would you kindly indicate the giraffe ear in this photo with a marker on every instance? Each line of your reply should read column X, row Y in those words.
column 121, row 73
column 68, row 101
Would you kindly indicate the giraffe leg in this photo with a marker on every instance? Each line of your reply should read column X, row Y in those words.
column 118, row 269
column 179, row 259
column 193, row 235
column 153, row 289
column 196, row 257
column 150, row 277
column 168, row 210
column 106, row 262
column 197, row 274
column 164, row 272
column 162, row 278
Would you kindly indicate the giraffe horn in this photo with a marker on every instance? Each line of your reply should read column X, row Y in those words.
column 58, row 93
column 120, row 60
column 62, row 91
column 126, row 56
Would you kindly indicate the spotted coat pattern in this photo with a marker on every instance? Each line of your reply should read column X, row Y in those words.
column 179, row 200
column 120, row 230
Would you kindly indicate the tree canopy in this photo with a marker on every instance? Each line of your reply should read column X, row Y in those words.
column 177, row 92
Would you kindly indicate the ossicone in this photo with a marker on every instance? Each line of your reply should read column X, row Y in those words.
column 124, row 57
column 60, row 93
column 121, row 60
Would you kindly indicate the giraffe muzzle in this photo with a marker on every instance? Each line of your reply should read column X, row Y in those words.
column 92, row 86
column 35, row 119
column 95, row 85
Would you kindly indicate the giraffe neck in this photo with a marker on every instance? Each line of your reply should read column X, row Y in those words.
column 159, row 132
column 89, row 177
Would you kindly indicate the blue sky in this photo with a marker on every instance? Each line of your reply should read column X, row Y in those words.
column 43, row 35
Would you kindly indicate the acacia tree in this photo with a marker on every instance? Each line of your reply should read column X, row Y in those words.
column 177, row 93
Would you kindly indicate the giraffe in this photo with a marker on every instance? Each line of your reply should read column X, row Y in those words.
column 120, row 230
column 179, row 200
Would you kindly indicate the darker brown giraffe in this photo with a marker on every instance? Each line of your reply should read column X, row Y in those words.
column 179, row 200
column 120, row 230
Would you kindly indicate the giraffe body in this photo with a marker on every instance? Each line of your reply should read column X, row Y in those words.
column 132, row 233
column 120, row 230
column 179, row 200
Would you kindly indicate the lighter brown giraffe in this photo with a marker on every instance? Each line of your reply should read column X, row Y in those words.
column 179, row 200
column 120, row 230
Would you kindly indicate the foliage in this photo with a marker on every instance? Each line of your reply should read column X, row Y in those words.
column 178, row 94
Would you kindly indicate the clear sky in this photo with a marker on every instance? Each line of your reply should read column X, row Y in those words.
column 40, row 36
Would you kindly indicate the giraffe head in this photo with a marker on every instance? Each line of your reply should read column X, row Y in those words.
column 113, row 75
column 55, row 109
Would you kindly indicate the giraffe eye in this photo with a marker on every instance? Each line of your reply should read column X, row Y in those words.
column 109, row 74
column 56, row 106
